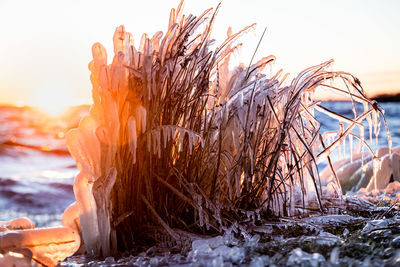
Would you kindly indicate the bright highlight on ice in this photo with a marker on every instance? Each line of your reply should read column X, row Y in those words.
column 179, row 142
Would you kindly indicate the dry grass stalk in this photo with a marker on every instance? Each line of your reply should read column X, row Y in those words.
column 178, row 139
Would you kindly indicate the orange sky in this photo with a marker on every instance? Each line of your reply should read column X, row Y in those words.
column 46, row 44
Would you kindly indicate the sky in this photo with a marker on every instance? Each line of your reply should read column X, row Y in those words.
column 46, row 44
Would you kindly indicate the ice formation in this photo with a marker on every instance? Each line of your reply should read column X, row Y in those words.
column 46, row 246
column 372, row 172
column 16, row 224
column 174, row 130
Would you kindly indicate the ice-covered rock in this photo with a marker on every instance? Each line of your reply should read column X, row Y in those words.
column 200, row 248
column 16, row 260
column 392, row 188
column 334, row 257
column 18, row 224
column 253, row 241
column 396, row 166
column 47, row 245
column 260, row 261
column 300, row 258
column 323, row 239
column 216, row 251
column 364, row 171
column 374, row 225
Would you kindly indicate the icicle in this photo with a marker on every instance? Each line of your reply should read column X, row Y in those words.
column 115, row 72
column 181, row 138
column 235, row 148
column 292, row 201
column 251, row 160
column 141, row 116
column 344, row 148
column 191, row 143
column 170, row 133
column 376, row 167
column 237, row 183
column 132, row 137
column 368, row 117
column 158, row 137
column 165, row 135
column 207, row 221
column 147, row 64
column 361, row 128
column 148, row 140
column 200, row 207
column 351, row 147
column 154, row 141
column 376, row 125
column 228, row 182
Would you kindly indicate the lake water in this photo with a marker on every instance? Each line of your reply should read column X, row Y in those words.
column 37, row 173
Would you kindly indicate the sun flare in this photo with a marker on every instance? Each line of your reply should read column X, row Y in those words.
column 52, row 99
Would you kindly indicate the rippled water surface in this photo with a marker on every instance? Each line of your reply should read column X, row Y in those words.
column 36, row 170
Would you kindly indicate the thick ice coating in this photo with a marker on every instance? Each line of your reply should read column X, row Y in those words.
column 48, row 245
column 174, row 130
column 366, row 171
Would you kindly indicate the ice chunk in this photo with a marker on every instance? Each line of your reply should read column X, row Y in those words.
column 70, row 217
column 48, row 245
column 215, row 242
column 253, row 241
column 392, row 187
column 334, row 257
column 375, row 224
column 17, row 224
column 396, row 166
column 200, row 247
column 299, row 257
column 260, row 261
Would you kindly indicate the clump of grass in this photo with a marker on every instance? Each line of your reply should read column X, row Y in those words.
column 176, row 139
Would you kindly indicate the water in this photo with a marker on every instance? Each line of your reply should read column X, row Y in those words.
column 36, row 171
column 391, row 110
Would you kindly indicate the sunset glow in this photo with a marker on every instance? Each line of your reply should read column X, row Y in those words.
column 52, row 99
column 47, row 44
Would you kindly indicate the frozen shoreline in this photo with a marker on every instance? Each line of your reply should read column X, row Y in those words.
column 330, row 240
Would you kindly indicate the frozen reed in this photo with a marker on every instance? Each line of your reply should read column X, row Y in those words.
column 177, row 138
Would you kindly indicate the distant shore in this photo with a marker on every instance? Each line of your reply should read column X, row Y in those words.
column 387, row 98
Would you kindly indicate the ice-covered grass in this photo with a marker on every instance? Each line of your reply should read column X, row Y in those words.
column 177, row 138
